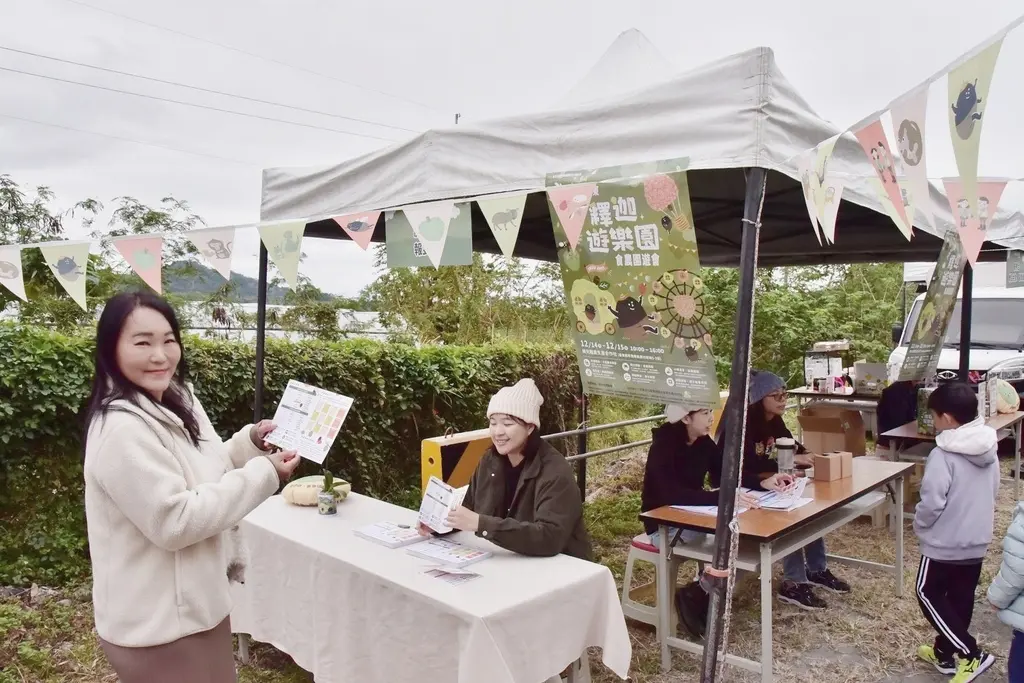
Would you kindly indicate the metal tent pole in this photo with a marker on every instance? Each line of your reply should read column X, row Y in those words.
column 966, row 306
column 735, row 416
column 261, row 332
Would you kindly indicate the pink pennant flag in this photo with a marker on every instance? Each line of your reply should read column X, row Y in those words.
column 971, row 226
column 872, row 139
column 144, row 255
column 571, row 203
column 359, row 226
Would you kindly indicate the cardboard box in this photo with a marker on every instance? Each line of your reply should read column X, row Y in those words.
column 828, row 467
column 925, row 423
column 870, row 378
column 832, row 428
column 846, row 458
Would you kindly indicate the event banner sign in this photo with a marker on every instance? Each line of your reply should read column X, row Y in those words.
column 930, row 327
column 634, row 289
column 1015, row 268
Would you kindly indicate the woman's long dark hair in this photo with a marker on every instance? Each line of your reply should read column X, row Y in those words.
column 110, row 384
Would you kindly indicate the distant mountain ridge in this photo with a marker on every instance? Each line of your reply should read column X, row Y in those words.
column 196, row 280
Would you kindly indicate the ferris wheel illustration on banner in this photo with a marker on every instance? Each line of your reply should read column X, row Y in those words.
column 678, row 298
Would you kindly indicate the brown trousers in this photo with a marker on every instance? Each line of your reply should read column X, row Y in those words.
column 205, row 657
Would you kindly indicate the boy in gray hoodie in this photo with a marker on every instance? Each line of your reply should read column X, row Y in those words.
column 954, row 522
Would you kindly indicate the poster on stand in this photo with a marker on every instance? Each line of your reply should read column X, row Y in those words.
column 637, row 303
column 931, row 324
column 1014, row 268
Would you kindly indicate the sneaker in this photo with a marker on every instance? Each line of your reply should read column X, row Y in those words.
column 692, row 609
column 970, row 669
column 801, row 595
column 944, row 664
column 828, row 581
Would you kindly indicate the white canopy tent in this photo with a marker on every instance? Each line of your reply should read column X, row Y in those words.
column 732, row 114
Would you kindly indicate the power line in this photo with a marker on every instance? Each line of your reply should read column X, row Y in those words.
column 193, row 104
column 252, row 54
column 136, row 142
column 201, row 89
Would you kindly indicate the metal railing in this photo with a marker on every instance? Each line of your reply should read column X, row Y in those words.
column 580, row 459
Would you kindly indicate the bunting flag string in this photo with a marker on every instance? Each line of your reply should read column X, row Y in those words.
column 217, row 246
column 11, row 274
column 144, row 253
column 284, row 247
column 69, row 261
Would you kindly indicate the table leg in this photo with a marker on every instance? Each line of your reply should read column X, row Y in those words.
column 664, row 597
column 767, row 663
column 898, row 519
column 892, row 450
column 1016, row 461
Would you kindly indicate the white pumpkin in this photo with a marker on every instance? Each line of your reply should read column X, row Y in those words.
column 304, row 491
column 1007, row 398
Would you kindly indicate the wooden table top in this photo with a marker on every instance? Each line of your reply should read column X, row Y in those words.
column 766, row 525
column 807, row 392
column 909, row 430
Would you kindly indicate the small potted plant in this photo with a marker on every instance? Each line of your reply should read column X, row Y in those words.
column 327, row 499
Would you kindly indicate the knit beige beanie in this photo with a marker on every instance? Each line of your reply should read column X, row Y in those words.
column 522, row 400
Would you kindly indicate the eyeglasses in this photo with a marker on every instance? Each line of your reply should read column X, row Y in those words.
column 779, row 395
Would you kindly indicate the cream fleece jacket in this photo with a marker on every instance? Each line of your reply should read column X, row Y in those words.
column 157, row 510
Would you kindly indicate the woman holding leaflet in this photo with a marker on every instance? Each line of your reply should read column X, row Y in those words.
column 523, row 495
column 162, row 494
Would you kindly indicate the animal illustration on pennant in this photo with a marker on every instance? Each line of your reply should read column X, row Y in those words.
column 144, row 259
column 360, row 225
column 432, row 229
column 503, row 219
column 965, row 110
column 830, row 195
column 964, row 211
column 882, row 160
column 983, row 213
column 67, row 268
column 911, row 142
column 217, row 249
column 9, row 271
column 291, row 242
column 633, row 319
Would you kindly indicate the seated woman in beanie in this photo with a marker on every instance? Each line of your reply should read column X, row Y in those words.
column 806, row 567
column 523, row 495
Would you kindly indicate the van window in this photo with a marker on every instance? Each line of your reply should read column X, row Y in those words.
column 995, row 323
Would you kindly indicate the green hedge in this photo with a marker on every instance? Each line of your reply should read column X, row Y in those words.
column 402, row 395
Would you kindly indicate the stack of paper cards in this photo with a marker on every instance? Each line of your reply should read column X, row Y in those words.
column 450, row 576
column 448, row 553
column 390, row 534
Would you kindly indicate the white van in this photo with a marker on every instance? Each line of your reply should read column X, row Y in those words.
column 997, row 334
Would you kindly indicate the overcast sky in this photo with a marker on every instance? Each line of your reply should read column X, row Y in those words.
column 413, row 65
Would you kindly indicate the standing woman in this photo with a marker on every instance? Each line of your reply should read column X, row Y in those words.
column 523, row 495
column 161, row 491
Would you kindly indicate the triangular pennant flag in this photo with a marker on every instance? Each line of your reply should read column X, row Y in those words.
column 808, row 181
column 821, row 164
column 11, row 274
column 284, row 246
column 430, row 223
column 144, row 255
column 69, row 262
column 359, row 226
column 971, row 225
column 504, row 214
column 831, row 195
column 968, row 86
column 908, row 119
column 571, row 203
column 872, row 138
column 217, row 246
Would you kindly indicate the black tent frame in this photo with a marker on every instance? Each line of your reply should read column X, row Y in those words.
column 722, row 200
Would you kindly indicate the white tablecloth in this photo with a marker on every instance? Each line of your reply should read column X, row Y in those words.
column 348, row 609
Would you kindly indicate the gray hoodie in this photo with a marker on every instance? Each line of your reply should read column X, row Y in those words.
column 958, row 494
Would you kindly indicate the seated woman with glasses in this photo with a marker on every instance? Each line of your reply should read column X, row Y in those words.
column 807, row 567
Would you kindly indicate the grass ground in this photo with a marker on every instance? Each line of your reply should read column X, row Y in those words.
column 869, row 636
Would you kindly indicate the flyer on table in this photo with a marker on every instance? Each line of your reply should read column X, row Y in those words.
column 308, row 420
column 633, row 283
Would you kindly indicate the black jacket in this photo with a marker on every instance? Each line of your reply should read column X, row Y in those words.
column 676, row 472
column 759, row 457
column 545, row 515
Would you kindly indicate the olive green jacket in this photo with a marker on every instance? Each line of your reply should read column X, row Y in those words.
column 546, row 516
